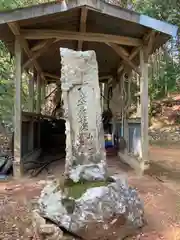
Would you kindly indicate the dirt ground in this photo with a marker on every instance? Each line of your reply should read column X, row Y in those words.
column 159, row 188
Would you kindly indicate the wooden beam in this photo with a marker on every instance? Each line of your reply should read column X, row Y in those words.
column 50, row 9
column 31, row 109
column 105, row 78
column 31, row 94
column 39, row 45
column 69, row 35
column 144, row 105
column 16, row 31
column 53, row 76
column 84, row 12
column 135, row 51
column 38, row 102
column 17, row 167
column 123, row 54
column 43, row 92
column 39, row 53
column 151, row 42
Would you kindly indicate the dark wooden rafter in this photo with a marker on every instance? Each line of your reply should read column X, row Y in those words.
column 82, row 28
column 16, row 31
column 39, row 53
column 136, row 50
column 124, row 55
column 51, row 76
column 80, row 36
column 42, row 10
column 151, row 41
column 39, row 45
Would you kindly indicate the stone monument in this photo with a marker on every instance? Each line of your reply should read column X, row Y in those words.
column 90, row 205
column 85, row 153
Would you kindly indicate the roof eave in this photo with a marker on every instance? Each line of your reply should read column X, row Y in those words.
column 158, row 25
column 100, row 6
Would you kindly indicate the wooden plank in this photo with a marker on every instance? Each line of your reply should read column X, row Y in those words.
column 38, row 10
column 121, row 52
column 42, row 10
column 38, row 101
column 56, row 77
column 17, row 167
column 144, row 105
column 135, row 51
column 53, row 76
column 38, row 53
column 31, row 109
column 43, row 92
column 39, row 45
column 31, row 93
column 104, row 79
column 83, row 19
column 36, row 116
column 151, row 42
column 72, row 35
column 16, row 31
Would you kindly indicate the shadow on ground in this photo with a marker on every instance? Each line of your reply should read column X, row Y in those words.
column 157, row 169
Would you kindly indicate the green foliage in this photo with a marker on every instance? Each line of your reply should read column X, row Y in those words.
column 7, row 71
column 6, row 85
column 11, row 4
column 166, row 10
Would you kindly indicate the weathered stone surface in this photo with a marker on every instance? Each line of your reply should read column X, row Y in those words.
column 44, row 231
column 82, row 111
column 112, row 210
column 88, row 172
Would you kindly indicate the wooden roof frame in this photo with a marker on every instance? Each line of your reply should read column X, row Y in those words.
column 49, row 36
column 98, row 5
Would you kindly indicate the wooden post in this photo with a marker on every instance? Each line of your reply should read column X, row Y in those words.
column 43, row 92
column 126, row 132
column 31, row 109
column 17, row 168
column 38, row 102
column 144, row 106
column 102, row 96
column 113, row 129
column 106, row 87
column 38, row 106
column 31, row 94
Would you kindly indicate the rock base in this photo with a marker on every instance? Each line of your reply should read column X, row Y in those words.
column 109, row 211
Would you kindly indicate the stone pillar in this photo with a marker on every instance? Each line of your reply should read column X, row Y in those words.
column 85, row 153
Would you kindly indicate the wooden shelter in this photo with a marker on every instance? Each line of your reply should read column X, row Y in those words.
column 119, row 37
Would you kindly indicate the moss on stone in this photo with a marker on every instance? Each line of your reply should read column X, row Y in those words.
column 76, row 190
